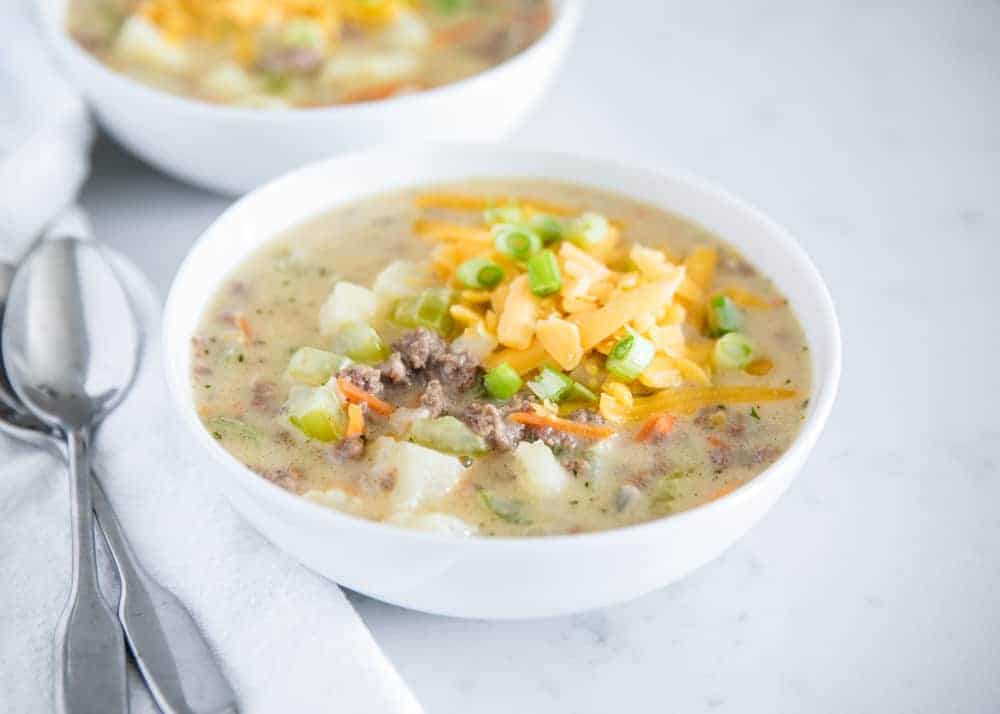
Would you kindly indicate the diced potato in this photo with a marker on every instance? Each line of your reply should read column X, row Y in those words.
column 335, row 498
column 477, row 341
column 538, row 471
column 399, row 279
column 227, row 82
column 440, row 523
column 318, row 412
column 346, row 304
column 407, row 30
column 422, row 475
column 561, row 339
column 349, row 68
column 141, row 42
column 315, row 367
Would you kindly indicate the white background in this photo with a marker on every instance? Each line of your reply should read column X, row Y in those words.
column 872, row 130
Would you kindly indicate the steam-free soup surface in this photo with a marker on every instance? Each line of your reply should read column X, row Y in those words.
column 494, row 408
column 304, row 53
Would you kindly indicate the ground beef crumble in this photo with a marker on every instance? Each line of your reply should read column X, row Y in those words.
column 420, row 348
column 348, row 449
column 287, row 478
column 363, row 377
column 394, row 370
column 433, row 399
column 488, row 422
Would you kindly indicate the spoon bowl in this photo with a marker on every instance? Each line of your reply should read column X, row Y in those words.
column 57, row 356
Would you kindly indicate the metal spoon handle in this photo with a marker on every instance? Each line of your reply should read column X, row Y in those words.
column 173, row 656
column 90, row 653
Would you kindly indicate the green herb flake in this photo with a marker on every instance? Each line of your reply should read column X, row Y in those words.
column 754, row 413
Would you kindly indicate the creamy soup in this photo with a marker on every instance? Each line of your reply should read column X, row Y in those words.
column 518, row 358
column 304, row 53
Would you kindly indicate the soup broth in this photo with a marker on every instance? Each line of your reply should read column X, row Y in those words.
column 627, row 366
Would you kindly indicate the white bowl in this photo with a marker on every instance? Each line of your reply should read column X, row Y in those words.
column 495, row 577
column 234, row 149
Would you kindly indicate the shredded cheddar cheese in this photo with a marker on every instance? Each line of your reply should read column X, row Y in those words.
column 608, row 290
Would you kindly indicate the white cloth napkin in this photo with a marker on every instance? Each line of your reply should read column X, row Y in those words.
column 288, row 640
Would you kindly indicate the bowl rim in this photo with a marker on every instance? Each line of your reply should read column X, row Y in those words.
column 566, row 18
column 822, row 396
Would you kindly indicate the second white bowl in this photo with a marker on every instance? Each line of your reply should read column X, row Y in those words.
column 233, row 149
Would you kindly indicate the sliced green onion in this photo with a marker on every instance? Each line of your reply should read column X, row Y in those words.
column 360, row 342
column 588, row 229
column 579, row 393
column 503, row 381
column 630, row 357
column 550, row 384
column 732, row 351
column 503, row 214
column 517, row 242
column 543, row 273
column 723, row 316
column 479, row 273
column 549, row 228
column 429, row 309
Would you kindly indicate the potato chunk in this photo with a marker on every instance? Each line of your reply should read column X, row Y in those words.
column 538, row 471
column 347, row 303
column 421, row 475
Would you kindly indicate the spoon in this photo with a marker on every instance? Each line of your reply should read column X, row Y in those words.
column 172, row 655
column 70, row 375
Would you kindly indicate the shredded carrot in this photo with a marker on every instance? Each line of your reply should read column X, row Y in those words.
column 355, row 421
column 724, row 491
column 587, row 431
column 657, row 426
column 380, row 91
column 358, row 395
column 244, row 324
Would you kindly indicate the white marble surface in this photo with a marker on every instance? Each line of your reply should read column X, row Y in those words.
column 872, row 130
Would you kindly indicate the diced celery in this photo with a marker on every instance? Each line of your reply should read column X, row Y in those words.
column 429, row 309
column 312, row 366
column 360, row 342
column 502, row 508
column 223, row 427
column 317, row 412
column 347, row 303
column 447, row 434
column 550, row 384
